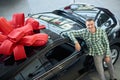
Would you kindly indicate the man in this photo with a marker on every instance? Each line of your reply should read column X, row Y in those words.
column 97, row 42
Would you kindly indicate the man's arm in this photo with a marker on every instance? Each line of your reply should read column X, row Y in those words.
column 72, row 35
column 75, row 33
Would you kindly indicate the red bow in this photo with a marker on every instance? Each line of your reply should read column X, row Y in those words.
column 19, row 33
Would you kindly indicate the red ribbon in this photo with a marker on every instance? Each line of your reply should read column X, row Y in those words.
column 18, row 33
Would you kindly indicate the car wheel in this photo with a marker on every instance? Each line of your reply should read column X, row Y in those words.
column 114, row 54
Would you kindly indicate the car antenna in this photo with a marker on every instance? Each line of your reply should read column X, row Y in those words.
column 74, row 1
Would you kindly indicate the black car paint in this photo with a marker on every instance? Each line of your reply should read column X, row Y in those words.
column 53, row 70
column 62, row 70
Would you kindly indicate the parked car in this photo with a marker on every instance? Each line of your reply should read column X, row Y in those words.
column 57, row 60
column 74, row 17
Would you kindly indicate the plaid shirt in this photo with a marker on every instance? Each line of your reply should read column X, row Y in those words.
column 97, row 42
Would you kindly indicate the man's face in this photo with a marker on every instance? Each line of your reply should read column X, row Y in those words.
column 90, row 25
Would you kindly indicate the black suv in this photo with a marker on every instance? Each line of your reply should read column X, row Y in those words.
column 57, row 60
column 73, row 17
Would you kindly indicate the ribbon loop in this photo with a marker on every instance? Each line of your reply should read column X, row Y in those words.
column 19, row 33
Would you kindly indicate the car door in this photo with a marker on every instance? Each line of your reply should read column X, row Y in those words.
column 71, row 66
column 72, row 62
column 105, row 21
column 62, row 58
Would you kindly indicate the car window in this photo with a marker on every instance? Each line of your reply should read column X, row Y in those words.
column 64, row 25
column 60, row 22
column 53, row 60
column 69, row 15
column 59, row 53
column 57, row 21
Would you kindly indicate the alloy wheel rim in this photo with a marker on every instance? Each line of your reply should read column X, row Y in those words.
column 113, row 55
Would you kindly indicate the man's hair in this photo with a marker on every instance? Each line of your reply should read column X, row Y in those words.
column 89, row 19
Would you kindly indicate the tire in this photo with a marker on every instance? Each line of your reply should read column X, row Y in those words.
column 114, row 54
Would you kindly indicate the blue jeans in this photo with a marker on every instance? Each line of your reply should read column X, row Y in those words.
column 98, row 60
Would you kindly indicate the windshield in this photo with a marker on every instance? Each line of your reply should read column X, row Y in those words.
column 71, row 16
column 58, row 21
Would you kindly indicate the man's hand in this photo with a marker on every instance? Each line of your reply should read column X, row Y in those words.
column 107, row 59
column 77, row 46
